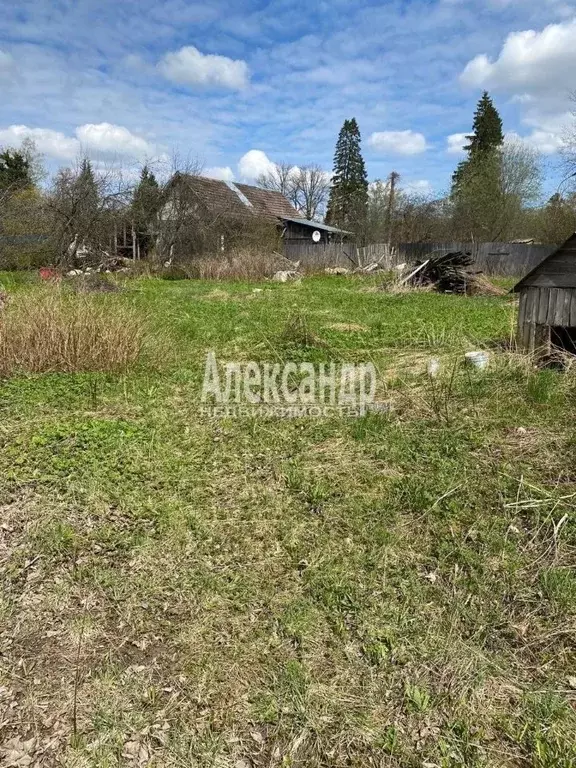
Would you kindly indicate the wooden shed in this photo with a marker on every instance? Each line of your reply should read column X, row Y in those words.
column 547, row 314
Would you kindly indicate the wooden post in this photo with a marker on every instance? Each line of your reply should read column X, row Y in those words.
column 394, row 177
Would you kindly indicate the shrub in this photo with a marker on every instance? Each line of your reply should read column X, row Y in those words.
column 51, row 330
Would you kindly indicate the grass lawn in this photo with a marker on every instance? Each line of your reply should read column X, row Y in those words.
column 394, row 590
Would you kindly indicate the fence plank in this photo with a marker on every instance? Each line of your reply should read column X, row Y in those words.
column 503, row 259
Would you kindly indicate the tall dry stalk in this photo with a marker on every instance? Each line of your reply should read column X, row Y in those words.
column 49, row 330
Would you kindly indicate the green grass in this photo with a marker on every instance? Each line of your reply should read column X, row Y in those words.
column 395, row 590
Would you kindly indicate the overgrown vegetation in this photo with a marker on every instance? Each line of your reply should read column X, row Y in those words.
column 52, row 330
column 395, row 590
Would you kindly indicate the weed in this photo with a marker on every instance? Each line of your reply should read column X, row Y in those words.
column 417, row 698
column 297, row 332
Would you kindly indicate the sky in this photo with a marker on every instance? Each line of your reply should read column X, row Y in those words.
column 238, row 84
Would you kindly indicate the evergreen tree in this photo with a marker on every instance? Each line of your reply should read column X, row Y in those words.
column 14, row 170
column 145, row 206
column 146, row 194
column 487, row 131
column 348, row 201
column 486, row 139
column 87, row 188
column 478, row 188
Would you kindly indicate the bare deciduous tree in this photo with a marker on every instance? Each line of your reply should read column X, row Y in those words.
column 413, row 217
column 83, row 205
column 176, row 218
column 307, row 188
column 280, row 178
column 311, row 187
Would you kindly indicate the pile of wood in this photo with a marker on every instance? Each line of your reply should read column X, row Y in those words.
column 451, row 273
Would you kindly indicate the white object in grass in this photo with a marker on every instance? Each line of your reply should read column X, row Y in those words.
column 479, row 359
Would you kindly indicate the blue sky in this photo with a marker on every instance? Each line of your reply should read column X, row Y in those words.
column 240, row 84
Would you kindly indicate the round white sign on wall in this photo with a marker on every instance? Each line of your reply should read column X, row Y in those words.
column 316, row 236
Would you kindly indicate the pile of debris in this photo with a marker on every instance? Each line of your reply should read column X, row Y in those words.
column 284, row 269
column 450, row 273
column 108, row 265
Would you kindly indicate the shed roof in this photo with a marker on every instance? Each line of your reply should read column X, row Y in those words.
column 555, row 271
column 316, row 225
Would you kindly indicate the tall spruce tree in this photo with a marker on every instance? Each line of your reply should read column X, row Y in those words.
column 145, row 206
column 487, row 131
column 477, row 183
column 484, row 142
column 347, row 205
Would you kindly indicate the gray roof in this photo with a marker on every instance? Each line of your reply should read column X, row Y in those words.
column 558, row 270
column 316, row 225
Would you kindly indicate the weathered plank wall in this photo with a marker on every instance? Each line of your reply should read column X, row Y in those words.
column 541, row 309
column 506, row 259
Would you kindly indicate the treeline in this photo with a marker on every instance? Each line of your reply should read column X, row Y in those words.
column 494, row 196
column 85, row 215
column 495, row 193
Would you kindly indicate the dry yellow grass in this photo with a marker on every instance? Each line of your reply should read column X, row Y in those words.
column 242, row 264
column 55, row 331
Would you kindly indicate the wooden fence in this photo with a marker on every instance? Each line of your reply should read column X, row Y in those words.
column 504, row 259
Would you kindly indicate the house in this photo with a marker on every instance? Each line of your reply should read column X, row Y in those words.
column 226, row 207
column 547, row 314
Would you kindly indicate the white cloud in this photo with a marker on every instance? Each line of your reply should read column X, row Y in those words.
column 191, row 67
column 530, row 62
column 549, row 132
column 536, row 69
column 224, row 174
column 542, row 141
column 421, row 187
column 94, row 139
column 113, row 139
column 254, row 163
column 545, row 142
column 455, row 143
column 398, row 142
column 51, row 143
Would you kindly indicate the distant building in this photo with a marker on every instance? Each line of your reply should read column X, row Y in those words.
column 547, row 314
column 226, row 206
